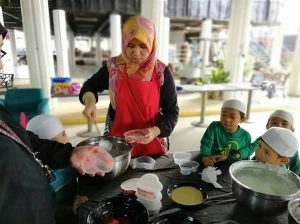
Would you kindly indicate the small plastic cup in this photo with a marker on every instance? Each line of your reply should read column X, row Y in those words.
column 143, row 162
column 181, row 157
column 188, row 167
column 129, row 187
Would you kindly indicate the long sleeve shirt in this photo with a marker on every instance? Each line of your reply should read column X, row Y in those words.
column 169, row 110
column 216, row 140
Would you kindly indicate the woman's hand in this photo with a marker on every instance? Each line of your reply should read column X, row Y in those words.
column 90, row 112
column 90, row 106
column 149, row 134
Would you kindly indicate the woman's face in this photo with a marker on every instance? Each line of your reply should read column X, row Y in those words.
column 136, row 51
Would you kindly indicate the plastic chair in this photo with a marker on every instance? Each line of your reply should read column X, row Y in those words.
column 31, row 101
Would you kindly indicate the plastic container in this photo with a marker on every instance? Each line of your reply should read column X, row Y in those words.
column 153, row 207
column 135, row 135
column 188, row 167
column 129, row 187
column 143, row 162
column 181, row 157
column 96, row 161
column 149, row 186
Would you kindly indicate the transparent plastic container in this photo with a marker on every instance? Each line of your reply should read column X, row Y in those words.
column 135, row 135
column 188, row 167
column 153, row 207
column 129, row 187
column 143, row 162
column 96, row 161
column 181, row 157
column 149, row 186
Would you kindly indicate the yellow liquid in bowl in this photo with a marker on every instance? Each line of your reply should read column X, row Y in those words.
column 187, row 195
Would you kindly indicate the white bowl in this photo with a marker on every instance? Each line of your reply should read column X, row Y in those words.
column 188, row 167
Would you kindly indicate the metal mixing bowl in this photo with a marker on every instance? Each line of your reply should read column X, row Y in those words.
column 294, row 208
column 119, row 149
column 259, row 201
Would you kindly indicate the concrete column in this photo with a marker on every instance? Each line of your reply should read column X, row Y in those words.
column 238, row 38
column 61, row 44
column 205, row 35
column 294, row 79
column 115, row 34
column 166, row 41
column 154, row 10
column 1, row 16
column 98, row 50
column 13, row 54
column 38, row 43
column 277, row 41
column 71, row 51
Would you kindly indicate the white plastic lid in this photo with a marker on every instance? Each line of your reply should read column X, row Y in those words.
column 130, row 185
column 150, row 183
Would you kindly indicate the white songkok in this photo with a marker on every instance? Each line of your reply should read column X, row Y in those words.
column 235, row 104
column 281, row 140
column 45, row 126
column 282, row 114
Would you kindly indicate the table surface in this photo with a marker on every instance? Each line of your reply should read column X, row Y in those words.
column 98, row 188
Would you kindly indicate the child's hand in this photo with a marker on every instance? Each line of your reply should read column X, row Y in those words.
column 219, row 158
column 237, row 155
column 208, row 161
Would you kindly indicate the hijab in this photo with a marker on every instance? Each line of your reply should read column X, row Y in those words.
column 136, row 27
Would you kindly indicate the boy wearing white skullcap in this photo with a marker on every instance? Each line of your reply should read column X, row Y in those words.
column 47, row 127
column 283, row 119
column 223, row 139
column 276, row 146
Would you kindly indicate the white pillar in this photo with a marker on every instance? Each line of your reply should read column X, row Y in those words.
column 166, row 41
column 98, row 50
column 154, row 10
column 238, row 38
column 71, row 51
column 38, row 43
column 13, row 46
column 115, row 34
column 294, row 79
column 205, row 35
column 277, row 40
column 61, row 44
column 1, row 16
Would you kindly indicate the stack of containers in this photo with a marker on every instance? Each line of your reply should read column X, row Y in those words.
column 149, row 193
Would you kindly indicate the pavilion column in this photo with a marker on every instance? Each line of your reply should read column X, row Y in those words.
column 238, row 38
column 61, row 43
column 115, row 34
column 277, row 41
column 38, row 43
column 294, row 79
column 98, row 50
column 205, row 35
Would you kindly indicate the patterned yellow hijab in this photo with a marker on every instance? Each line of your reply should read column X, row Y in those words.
column 142, row 29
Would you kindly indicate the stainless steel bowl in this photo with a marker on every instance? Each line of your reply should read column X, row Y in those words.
column 294, row 209
column 120, row 150
column 254, row 196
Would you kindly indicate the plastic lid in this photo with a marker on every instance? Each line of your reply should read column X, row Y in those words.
column 181, row 157
column 130, row 185
column 96, row 161
column 149, row 183
column 143, row 162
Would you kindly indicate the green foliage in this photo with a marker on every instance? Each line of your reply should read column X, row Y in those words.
column 219, row 75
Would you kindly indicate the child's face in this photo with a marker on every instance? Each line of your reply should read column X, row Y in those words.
column 278, row 122
column 230, row 119
column 266, row 154
column 62, row 138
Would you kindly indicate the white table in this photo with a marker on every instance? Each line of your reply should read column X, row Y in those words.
column 205, row 89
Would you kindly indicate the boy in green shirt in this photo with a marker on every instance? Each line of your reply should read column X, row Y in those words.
column 283, row 119
column 276, row 146
column 223, row 139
